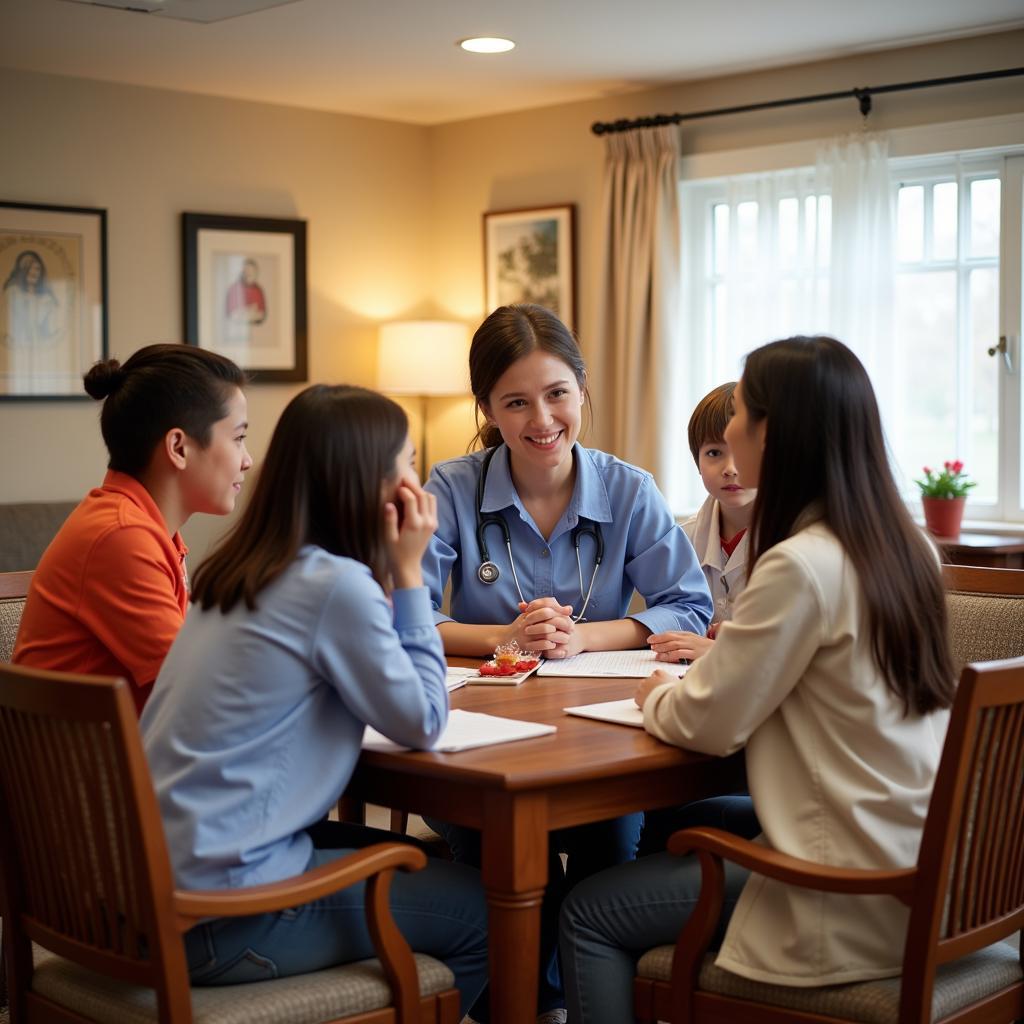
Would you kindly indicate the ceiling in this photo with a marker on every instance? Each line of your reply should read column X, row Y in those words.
column 397, row 59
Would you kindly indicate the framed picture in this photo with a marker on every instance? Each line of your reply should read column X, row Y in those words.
column 53, row 302
column 245, row 291
column 530, row 256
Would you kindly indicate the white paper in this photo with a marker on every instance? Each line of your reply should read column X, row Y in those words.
column 466, row 730
column 610, row 664
column 456, row 677
column 621, row 712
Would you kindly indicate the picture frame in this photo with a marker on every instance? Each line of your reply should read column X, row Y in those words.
column 245, row 292
column 53, row 299
column 530, row 256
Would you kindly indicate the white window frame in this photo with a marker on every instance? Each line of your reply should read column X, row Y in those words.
column 981, row 143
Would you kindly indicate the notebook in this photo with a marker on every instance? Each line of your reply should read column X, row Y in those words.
column 610, row 665
column 621, row 712
column 456, row 677
column 466, row 730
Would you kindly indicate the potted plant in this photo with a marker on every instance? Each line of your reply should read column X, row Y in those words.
column 943, row 495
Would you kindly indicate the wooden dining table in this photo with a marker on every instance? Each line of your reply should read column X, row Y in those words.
column 516, row 793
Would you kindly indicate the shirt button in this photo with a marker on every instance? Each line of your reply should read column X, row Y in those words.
column 544, row 553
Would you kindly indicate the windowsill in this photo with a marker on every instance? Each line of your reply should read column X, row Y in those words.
column 993, row 526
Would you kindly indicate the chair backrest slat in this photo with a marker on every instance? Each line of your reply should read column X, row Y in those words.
column 983, row 766
column 995, row 884
column 1015, row 840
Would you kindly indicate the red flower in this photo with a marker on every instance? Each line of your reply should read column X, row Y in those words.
column 957, row 466
column 927, row 470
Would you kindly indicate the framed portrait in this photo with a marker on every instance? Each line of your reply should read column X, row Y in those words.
column 53, row 299
column 245, row 292
column 530, row 256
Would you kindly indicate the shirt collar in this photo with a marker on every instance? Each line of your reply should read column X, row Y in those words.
column 133, row 489
column 589, row 497
column 499, row 491
column 713, row 555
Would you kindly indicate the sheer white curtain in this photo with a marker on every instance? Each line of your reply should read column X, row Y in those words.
column 855, row 171
column 639, row 331
column 802, row 251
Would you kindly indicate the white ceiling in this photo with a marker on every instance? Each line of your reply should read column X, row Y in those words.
column 397, row 59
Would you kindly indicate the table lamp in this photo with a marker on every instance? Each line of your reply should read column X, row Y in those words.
column 424, row 358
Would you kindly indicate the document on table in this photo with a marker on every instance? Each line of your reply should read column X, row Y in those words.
column 611, row 665
column 456, row 677
column 621, row 712
column 466, row 730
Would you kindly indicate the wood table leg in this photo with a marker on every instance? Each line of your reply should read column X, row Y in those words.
column 515, row 870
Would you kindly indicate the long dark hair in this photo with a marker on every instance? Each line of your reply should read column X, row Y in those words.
column 332, row 451
column 158, row 388
column 508, row 334
column 824, row 446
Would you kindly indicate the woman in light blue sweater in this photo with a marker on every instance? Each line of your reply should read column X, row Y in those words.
column 309, row 622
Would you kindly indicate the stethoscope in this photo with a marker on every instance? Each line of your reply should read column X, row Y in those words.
column 488, row 571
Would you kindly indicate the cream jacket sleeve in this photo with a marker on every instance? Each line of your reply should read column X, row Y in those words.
column 779, row 624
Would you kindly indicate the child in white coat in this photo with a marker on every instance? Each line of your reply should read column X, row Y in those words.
column 718, row 531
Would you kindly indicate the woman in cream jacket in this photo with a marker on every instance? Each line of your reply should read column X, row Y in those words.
column 835, row 674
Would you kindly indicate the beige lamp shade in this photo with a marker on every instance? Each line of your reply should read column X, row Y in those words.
column 423, row 357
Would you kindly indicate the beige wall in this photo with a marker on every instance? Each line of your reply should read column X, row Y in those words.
column 394, row 210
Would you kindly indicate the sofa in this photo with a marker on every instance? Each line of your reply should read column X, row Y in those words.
column 26, row 529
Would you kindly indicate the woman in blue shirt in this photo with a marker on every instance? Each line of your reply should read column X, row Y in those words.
column 544, row 542
column 556, row 500
column 309, row 622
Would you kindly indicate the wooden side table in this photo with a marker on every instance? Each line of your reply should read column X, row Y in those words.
column 991, row 550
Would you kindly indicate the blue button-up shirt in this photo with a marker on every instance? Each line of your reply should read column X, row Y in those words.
column 644, row 549
column 256, row 719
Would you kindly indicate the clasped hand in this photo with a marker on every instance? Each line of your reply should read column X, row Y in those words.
column 546, row 626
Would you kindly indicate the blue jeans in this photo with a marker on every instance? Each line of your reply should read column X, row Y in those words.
column 440, row 910
column 609, row 921
column 733, row 813
column 590, row 849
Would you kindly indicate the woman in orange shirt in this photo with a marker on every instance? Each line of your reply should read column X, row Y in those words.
column 110, row 592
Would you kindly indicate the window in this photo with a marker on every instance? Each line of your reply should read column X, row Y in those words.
column 756, row 266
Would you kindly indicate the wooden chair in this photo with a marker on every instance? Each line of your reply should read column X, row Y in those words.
column 986, row 613
column 965, row 894
column 86, row 875
column 13, row 591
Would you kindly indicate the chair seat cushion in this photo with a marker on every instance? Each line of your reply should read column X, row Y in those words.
column 300, row 999
column 957, row 984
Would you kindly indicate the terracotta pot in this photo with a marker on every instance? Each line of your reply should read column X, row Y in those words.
column 942, row 516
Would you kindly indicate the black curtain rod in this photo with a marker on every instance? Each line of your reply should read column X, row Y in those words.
column 863, row 97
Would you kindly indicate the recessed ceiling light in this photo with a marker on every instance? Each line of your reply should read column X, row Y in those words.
column 487, row 44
